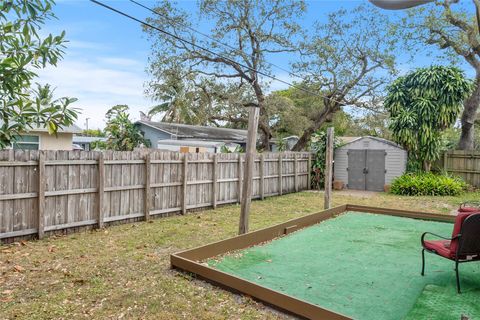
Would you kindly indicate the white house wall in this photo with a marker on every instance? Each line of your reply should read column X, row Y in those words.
column 395, row 161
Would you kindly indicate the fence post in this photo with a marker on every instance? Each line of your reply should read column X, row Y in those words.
column 240, row 175
column 295, row 177
column 445, row 159
column 184, row 184
column 214, row 181
column 101, row 189
column 328, row 169
column 280, row 174
column 262, row 179
column 309, row 171
column 41, row 194
column 148, row 193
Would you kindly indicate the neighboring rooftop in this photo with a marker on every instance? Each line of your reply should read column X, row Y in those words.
column 85, row 139
column 68, row 129
column 191, row 143
column 185, row 131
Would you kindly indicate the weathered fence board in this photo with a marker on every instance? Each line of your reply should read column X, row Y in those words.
column 70, row 189
column 465, row 164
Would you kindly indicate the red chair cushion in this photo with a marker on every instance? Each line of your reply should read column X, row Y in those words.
column 441, row 247
column 468, row 209
column 461, row 216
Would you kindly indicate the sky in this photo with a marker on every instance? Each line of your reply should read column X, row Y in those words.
column 107, row 55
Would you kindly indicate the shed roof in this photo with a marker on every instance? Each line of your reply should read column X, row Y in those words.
column 185, row 131
column 349, row 140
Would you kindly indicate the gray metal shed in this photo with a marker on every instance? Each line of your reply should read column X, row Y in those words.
column 368, row 163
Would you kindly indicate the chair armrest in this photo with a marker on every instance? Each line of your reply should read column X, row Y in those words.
column 436, row 235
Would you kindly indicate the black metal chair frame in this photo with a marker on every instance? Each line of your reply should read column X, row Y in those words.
column 468, row 249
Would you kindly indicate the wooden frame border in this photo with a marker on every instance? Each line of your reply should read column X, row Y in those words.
column 189, row 260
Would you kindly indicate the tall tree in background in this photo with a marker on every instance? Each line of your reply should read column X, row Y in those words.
column 349, row 59
column 180, row 99
column 422, row 105
column 449, row 26
column 253, row 30
column 191, row 99
column 121, row 132
column 292, row 112
column 22, row 51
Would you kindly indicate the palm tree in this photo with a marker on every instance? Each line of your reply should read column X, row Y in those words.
column 176, row 101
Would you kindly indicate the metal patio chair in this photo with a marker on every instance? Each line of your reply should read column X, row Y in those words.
column 463, row 246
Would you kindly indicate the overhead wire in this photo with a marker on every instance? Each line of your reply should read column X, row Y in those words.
column 211, row 51
column 290, row 72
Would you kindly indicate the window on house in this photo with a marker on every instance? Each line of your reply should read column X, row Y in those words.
column 27, row 142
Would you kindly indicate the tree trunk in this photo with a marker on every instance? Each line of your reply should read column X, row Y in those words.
column 319, row 121
column 468, row 118
column 266, row 136
column 427, row 166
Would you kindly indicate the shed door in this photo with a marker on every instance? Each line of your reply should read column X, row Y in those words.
column 366, row 169
column 356, row 167
column 375, row 170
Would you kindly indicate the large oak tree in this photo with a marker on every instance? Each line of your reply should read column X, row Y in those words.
column 349, row 59
column 252, row 31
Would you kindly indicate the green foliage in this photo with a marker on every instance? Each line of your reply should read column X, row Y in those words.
column 422, row 104
column 318, row 146
column 122, row 134
column 237, row 149
column 427, row 184
column 93, row 133
column 22, row 51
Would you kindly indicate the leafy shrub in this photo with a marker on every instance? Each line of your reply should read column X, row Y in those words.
column 318, row 146
column 427, row 184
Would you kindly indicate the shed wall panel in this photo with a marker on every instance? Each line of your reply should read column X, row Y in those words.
column 340, row 165
column 395, row 161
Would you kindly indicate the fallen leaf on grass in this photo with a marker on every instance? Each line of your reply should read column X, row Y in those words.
column 18, row 268
column 79, row 281
column 51, row 249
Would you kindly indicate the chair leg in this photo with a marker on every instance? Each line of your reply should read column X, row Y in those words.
column 423, row 262
column 458, row 278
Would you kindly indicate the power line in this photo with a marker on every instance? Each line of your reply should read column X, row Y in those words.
column 210, row 51
column 212, row 38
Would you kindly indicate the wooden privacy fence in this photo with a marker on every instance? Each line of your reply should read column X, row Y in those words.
column 54, row 190
column 465, row 164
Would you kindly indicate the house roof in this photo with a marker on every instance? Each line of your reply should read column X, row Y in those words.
column 275, row 140
column 185, row 131
column 68, row 129
column 85, row 139
column 190, row 143
column 348, row 140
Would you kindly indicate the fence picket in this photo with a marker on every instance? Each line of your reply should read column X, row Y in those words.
column 69, row 189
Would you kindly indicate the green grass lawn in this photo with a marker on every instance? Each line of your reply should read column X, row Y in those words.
column 124, row 271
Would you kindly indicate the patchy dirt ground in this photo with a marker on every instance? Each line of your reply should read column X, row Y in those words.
column 123, row 272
